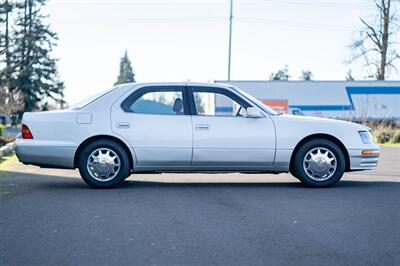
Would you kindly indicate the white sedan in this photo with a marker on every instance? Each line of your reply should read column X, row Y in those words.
column 174, row 127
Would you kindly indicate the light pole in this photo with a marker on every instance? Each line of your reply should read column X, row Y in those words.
column 230, row 41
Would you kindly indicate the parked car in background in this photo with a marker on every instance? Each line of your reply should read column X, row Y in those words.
column 171, row 127
column 295, row 111
column 14, row 120
column 3, row 119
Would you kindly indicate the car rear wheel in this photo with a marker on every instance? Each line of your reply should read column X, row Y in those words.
column 319, row 163
column 103, row 164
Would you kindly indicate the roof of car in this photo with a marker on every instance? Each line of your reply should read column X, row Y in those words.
column 173, row 84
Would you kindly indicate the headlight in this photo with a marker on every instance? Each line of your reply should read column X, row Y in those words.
column 366, row 136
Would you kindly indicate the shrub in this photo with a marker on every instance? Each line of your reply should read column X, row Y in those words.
column 383, row 136
column 396, row 137
column 1, row 129
column 6, row 139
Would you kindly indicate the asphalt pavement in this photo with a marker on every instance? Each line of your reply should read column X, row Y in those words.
column 50, row 217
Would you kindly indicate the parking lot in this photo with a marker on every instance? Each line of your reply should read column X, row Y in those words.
column 51, row 217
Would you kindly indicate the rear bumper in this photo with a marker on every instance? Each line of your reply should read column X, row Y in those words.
column 46, row 154
column 367, row 161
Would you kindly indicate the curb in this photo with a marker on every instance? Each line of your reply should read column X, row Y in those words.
column 7, row 149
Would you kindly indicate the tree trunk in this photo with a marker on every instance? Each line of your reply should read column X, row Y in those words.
column 385, row 39
column 9, row 90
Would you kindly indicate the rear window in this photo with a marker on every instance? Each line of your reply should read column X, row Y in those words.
column 89, row 100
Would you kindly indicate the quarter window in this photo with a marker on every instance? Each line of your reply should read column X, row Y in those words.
column 159, row 102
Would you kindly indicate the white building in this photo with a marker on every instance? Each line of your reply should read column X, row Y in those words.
column 336, row 99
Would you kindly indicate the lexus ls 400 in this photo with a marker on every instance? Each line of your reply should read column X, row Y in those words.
column 175, row 127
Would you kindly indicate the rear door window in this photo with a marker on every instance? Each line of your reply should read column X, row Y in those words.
column 164, row 101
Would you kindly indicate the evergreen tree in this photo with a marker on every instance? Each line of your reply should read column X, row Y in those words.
column 7, row 68
column 37, row 77
column 126, row 74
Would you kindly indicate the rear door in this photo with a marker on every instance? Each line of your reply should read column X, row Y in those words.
column 223, row 138
column 156, row 122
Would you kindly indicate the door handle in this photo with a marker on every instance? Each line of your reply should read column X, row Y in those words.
column 202, row 127
column 123, row 125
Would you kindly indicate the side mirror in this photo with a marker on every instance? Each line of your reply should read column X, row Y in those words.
column 252, row 112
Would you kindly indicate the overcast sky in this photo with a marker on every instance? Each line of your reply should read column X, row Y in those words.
column 188, row 40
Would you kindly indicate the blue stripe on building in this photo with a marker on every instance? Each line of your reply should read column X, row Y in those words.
column 223, row 109
column 322, row 107
column 365, row 90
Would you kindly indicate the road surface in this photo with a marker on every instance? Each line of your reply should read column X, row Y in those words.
column 50, row 217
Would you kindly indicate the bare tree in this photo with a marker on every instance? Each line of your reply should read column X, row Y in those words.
column 349, row 75
column 378, row 43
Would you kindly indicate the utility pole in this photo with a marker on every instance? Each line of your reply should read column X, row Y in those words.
column 230, row 41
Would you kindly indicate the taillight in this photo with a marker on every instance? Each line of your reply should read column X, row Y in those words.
column 26, row 133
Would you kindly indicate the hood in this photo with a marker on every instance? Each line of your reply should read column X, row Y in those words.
column 313, row 119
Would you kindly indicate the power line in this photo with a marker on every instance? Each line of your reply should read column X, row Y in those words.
column 142, row 20
column 273, row 22
column 295, row 24
column 336, row 4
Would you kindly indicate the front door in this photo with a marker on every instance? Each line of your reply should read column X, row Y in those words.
column 224, row 138
column 156, row 122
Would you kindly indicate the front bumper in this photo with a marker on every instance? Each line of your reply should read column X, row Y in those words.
column 57, row 155
column 365, row 158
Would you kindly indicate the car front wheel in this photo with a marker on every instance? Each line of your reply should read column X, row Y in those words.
column 319, row 163
column 103, row 164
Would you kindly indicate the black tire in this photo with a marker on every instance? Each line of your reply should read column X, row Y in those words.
column 106, row 144
column 300, row 172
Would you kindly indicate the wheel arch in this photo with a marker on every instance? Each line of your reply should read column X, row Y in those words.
column 321, row 136
column 103, row 137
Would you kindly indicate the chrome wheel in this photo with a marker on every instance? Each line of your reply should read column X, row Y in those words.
column 103, row 164
column 320, row 164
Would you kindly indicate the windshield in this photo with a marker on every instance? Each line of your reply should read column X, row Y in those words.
column 86, row 101
column 255, row 101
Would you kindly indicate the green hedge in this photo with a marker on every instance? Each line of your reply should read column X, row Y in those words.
column 396, row 137
column 387, row 136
